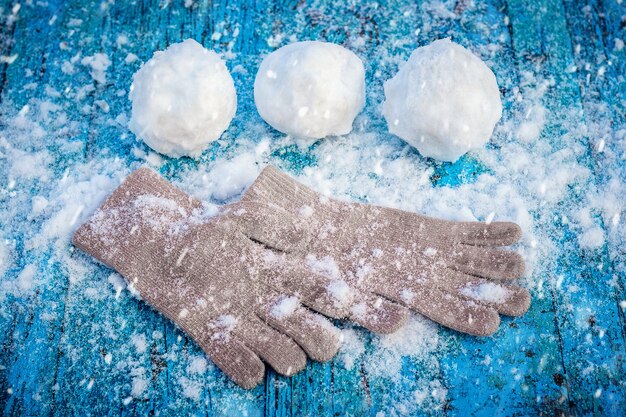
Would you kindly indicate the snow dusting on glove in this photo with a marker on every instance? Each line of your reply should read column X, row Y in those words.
column 451, row 272
column 240, row 301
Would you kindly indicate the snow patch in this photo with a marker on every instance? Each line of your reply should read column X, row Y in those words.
column 488, row 292
column 98, row 64
column 285, row 307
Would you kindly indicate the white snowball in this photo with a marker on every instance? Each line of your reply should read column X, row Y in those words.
column 183, row 99
column 444, row 101
column 310, row 89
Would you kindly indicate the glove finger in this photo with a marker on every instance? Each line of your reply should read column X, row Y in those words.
column 487, row 262
column 268, row 224
column 483, row 234
column 319, row 288
column 447, row 309
column 314, row 333
column 278, row 350
column 507, row 299
column 378, row 314
column 471, row 233
column 236, row 360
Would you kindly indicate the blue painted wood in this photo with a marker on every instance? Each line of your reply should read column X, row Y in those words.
column 64, row 351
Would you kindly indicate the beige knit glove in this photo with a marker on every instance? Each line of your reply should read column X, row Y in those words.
column 451, row 272
column 240, row 301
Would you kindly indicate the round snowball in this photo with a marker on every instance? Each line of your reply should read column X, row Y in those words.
column 444, row 101
column 310, row 89
column 183, row 99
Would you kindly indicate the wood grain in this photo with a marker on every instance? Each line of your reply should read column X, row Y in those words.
column 55, row 345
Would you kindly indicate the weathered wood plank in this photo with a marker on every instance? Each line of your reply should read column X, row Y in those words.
column 512, row 371
column 587, row 313
column 56, row 345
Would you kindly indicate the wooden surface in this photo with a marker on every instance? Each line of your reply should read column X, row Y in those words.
column 565, row 357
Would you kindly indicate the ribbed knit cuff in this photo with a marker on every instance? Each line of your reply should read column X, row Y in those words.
column 273, row 186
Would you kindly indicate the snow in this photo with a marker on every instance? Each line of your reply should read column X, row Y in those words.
column 26, row 278
column 8, row 59
column 444, row 101
column 118, row 283
column 381, row 358
column 139, row 341
column 352, row 348
column 340, row 291
column 197, row 365
column 183, row 99
column 51, row 181
column 285, row 307
column 592, row 238
column 190, row 389
column 534, row 120
column 140, row 382
column 324, row 266
column 98, row 64
column 489, row 292
column 306, row 211
column 223, row 325
column 310, row 89
column 130, row 58
column 225, row 178
column 5, row 256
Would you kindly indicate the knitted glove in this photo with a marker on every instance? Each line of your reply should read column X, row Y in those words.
column 235, row 298
column 450, row 272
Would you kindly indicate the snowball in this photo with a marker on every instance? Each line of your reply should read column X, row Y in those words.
column 183, row 99
column 310, row 89
column 444, row 101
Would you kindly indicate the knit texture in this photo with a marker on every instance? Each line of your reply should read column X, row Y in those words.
column 452, row 272
column 240, row 301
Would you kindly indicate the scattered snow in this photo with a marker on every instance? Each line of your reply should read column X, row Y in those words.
column 325, row 266
column 140, row 382
column 223, row 179
column 8, row 59
column 5, row 256
column 139, row 341
column 190, row 389
column 55, row 169
column 197, row 365
column 285, row 307
column 534, row 121
column 407, row 295
column 417, row 338
column 489, row 292
column 591, row 238
column 340, row 291
column 306, row 211
column 223, row 325
column 118, row 283
column 130, row 58
column 99, row 64
column 352, row 348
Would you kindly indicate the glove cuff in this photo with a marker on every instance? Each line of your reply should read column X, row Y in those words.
column 137, row 224
column 273, row 186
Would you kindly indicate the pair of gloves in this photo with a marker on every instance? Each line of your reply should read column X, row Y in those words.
column 256, row 281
